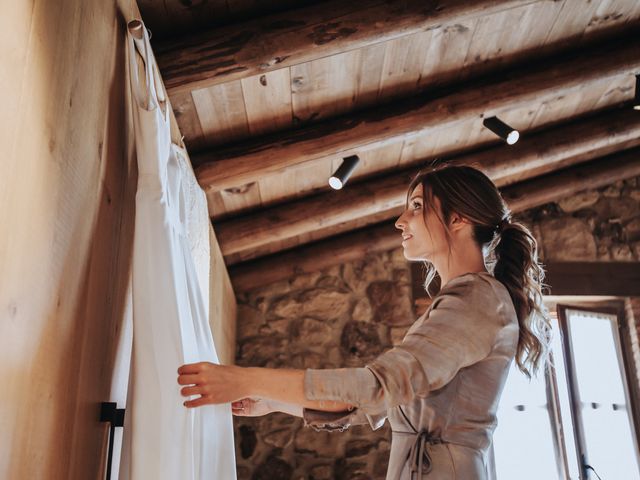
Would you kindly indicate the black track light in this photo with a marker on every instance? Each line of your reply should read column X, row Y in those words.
column 636, row 101
column 504, row 131
column 344, row 171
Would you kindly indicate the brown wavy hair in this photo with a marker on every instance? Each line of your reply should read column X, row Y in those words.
column 509, row 249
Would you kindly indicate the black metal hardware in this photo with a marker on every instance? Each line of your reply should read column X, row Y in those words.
column 115, row 416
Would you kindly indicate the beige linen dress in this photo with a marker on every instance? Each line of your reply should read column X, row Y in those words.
column 439, row 388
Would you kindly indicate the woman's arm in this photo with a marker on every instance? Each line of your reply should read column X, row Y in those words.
column 224, row 383
column 254, row 407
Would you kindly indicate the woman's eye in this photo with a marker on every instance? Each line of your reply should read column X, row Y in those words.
column 416, row 205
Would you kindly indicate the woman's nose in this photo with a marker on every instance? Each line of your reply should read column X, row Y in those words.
column 400, row 222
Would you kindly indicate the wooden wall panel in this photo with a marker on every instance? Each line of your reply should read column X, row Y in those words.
column 67, row 195
column 67, row 230
column 222, row 305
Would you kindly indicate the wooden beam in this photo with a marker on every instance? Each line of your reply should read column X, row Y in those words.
column 572, row 278
column 554, row 186
column 593, row 278
column 302, row 35
column 535, row 155
column 251, row 160
column 384, row 236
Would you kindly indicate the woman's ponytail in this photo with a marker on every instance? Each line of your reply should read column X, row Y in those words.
column 516, row 265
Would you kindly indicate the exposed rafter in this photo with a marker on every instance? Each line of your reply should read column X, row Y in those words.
column 297, row 36
column 553, row 149
column 253, row 159
column 384, row 236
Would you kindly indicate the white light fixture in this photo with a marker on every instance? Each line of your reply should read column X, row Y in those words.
column 504, row 131
column 344, row 171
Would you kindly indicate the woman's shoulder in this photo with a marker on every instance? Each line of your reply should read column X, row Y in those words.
column 477, row 293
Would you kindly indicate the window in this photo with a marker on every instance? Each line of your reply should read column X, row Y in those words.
column 576, row 420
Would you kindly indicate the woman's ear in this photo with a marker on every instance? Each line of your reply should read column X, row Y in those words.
column 457, row 221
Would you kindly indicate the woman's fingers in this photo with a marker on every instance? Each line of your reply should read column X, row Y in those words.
column 188, row 391
column 196, row 403
column 191, row 368
column 188, row 379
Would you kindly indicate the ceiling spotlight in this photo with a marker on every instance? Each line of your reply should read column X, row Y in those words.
column 504, row 131
column 344, row 171
column 636, row 102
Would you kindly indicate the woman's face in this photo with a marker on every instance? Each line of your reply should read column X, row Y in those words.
column 423, row 233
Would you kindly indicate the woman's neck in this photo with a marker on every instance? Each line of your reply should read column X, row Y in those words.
column 463, row 259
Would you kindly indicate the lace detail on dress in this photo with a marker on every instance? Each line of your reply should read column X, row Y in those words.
column 196, row 222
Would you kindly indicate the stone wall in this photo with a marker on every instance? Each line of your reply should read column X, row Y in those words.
column 347, row 314
column 343, row 316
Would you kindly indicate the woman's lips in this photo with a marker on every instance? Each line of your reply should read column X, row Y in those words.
column 408, row 238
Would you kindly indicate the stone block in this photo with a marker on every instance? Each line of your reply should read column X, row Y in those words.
column 567, row 239
column 360, row 342
column 273, row 467
column 579, row 201
column 362, row 312
column 309, row 332
column 391, row 302
column 324, row 303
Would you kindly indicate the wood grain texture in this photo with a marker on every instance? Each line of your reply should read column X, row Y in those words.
column 593, row 278
column 298, row 36
column 222, row 305
column 66, row 215
column 251, row 235
column 420, row 115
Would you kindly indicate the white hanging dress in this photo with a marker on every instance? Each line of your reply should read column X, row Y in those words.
column 164, row 439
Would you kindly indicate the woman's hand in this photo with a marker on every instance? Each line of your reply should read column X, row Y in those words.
column 214, row 383
column 252, row 407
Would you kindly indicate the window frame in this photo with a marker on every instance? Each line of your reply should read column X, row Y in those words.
column 623, row 341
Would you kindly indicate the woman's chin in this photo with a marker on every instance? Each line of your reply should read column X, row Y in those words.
column 411, row 256
column 414, row 257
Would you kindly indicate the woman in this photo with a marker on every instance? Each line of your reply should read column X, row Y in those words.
column 440, row 387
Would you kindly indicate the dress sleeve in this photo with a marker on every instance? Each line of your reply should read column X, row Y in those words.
column 340, row 421
column 459, row 329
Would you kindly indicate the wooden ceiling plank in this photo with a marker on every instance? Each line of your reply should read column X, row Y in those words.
column 237, row 164
column 402, row 64
column 384, row 236
column 274, row 187
column 535, row 155
column 574, row 17
column 533, row 28
column 618, row 91
column 447, row 50
column 368, row 75
column 488, row 38
column 301, row 35
column 221, row 112
column 609, row 12
column 325, row 87
column 267, row 101
column 240, row 199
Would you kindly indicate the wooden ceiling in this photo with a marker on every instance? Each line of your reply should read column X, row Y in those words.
column 271, row 96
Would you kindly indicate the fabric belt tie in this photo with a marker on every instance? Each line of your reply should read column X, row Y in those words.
column 419, row 458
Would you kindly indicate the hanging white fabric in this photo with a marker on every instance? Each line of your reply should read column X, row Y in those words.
column 164, row 439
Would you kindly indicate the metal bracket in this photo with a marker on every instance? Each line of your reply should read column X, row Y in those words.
column 115, row 416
